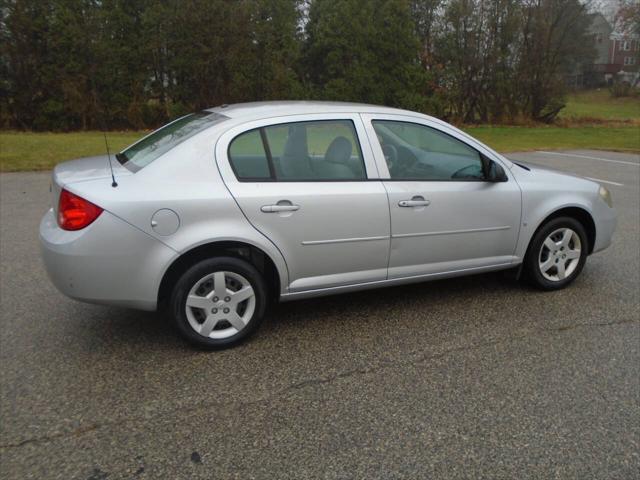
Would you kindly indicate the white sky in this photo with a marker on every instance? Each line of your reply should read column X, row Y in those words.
column 607, row 7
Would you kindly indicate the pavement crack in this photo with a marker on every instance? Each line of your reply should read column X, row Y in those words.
column 564, row 328
column 47, row 438
column 386, row 364
column 312, row 382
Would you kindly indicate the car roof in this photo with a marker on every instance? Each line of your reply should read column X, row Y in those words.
column 240, row 113
column 259, row 110
column 243, row 113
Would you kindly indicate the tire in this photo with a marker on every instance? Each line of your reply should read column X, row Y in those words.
column 557, row 253
column 218, row 302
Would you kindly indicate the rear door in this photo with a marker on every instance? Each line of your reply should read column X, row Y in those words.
column 305, row 183
column 445, row 217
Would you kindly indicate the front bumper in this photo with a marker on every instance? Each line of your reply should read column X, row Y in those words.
column 606, row 220
column 109, row 262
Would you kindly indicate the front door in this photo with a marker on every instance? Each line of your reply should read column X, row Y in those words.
column 445, row 217
column 305, row 185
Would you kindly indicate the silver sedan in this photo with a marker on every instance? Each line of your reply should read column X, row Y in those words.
column 220, row 212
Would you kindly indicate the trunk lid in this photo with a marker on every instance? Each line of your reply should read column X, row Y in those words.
column 89, row 168
column 82, row 170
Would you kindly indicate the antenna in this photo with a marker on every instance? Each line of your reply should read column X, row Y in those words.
column 114, row 184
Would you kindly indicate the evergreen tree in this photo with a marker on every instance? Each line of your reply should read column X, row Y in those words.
column 84, row 64
column 363, row 52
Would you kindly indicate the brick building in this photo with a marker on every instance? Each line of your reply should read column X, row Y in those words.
column 617, row 55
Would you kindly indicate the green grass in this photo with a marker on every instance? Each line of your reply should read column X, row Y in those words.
column 597, row 137
column 599, row 104
column 41, row 151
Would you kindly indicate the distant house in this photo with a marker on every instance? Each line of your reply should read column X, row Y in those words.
column 617, row 55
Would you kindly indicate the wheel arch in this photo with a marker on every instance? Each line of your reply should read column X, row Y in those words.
column 231, row 248
column 578, row 213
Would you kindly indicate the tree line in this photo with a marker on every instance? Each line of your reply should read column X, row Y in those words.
column 93, row 64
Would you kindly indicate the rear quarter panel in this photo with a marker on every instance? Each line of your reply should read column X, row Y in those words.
column 185, row 180
column 108, row 262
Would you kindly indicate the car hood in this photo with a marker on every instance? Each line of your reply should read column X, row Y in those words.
column 540, row 173
column 533, row 167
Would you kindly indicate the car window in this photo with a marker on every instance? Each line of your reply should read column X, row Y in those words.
column 249, row 158
column 145, row 151
column 325, row 150
column 418, row 152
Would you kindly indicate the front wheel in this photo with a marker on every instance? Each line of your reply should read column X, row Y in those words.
column 218, row 302
column 557, row 254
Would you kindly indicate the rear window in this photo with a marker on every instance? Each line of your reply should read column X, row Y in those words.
column 312, row 151
column 145, row 151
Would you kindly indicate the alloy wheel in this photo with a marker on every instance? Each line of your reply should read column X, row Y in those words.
column 559, row 254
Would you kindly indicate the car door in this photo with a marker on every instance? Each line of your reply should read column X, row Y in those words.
column 445, row 215
column 303, row 181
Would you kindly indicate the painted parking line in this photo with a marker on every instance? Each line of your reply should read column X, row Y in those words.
column 605, row 181
column 635, row 164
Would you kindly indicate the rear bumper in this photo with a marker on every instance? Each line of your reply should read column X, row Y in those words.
column 109, row 262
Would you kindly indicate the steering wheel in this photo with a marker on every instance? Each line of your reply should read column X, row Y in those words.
column 390, row 155
column 406, row 160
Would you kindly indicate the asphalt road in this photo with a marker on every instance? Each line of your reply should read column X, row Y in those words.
column 477, row 377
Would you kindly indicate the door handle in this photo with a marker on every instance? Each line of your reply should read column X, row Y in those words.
column 414, row 202
column 279, row 208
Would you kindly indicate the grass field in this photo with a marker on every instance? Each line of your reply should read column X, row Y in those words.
column 599, row 104
column 600, row 137
column 41, row 151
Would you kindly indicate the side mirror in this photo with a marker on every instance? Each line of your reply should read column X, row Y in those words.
column 495, row 172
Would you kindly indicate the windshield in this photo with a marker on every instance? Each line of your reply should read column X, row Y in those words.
column 152, row 146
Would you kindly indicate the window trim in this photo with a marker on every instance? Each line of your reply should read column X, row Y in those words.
column 273, row 176
column 483, row 158
column 267, row 152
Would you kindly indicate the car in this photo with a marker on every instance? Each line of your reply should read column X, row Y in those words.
column 221, row 212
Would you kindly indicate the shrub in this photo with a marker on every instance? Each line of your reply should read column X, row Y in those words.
column 620, row 89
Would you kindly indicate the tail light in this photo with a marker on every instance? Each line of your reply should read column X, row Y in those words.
column 74, row 212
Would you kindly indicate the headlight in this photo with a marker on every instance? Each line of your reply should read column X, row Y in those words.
column 606, row 196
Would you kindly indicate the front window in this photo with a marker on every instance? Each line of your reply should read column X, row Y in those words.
column 142, row 153
column 418, row 152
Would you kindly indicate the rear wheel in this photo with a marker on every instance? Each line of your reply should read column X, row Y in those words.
column 218, row 302
column 557, row 254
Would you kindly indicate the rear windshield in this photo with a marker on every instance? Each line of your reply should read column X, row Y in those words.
column 142, row 153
